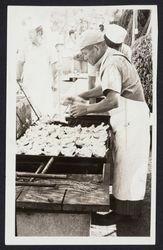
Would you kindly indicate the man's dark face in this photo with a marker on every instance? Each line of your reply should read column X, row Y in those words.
column 92, row 54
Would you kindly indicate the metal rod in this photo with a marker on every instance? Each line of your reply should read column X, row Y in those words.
column 28, row 100
column 63, row 199
column 48, row 165
column 32, row 179
column 19, row 118
column 42, row 176
column 38, row 170
column 20, row 183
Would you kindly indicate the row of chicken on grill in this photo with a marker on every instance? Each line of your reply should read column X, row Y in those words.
column 51, row 139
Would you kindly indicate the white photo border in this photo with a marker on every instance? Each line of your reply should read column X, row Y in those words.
column 10, row 238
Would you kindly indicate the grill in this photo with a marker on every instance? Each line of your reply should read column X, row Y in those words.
column 63, row 186
column 88, row 120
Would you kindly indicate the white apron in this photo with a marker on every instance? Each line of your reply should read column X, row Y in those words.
column 131, row 139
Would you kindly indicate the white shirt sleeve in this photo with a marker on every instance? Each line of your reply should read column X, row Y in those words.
column 111, row 79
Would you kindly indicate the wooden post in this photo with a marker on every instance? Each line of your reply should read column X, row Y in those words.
column 134, row 25
column 133, row 28
column 107, row 171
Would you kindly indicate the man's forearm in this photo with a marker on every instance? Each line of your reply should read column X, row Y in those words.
column 95, row 92
column 103, row 106
column 110, row 102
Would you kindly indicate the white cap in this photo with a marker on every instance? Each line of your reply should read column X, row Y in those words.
column 90, row 37
column 115, row 33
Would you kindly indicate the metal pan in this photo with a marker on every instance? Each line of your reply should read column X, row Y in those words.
column 89, row 120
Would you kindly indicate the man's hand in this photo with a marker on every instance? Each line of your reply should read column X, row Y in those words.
column 78, row 109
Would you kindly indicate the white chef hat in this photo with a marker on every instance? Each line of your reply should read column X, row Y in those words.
column 115, row 33
column 90, row 37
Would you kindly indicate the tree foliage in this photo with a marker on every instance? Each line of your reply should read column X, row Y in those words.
column 142, row 59
column 141, row 49
column 126, row 21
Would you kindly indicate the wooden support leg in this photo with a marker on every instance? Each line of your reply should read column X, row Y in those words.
column 108, row 170
column 106, row 174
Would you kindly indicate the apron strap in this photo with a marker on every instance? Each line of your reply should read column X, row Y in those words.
column 113, row 55
column 122, row 56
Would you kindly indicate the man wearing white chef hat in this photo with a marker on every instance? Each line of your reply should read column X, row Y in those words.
column 114, row 36
column 129, row 119
column 115, row 33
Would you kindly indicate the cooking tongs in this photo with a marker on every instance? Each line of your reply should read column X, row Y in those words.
column 22, row 89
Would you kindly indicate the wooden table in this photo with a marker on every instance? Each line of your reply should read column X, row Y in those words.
column 62, row 210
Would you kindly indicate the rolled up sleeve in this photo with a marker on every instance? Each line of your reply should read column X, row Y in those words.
column 111, row 79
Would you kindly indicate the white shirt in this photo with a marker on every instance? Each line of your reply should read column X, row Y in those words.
column 37, row 75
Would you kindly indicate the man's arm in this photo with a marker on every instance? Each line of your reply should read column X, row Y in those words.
column 110, row 102
column 95, row 92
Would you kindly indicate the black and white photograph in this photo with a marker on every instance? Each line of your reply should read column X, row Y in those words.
column 81, row 125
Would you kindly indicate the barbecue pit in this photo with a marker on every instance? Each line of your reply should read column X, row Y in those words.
column 55, row 195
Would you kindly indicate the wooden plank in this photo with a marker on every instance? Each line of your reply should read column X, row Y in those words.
column 52, row 224
column 45, row 198
column 41, row 176
column 94, row 199
column 79, row 196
